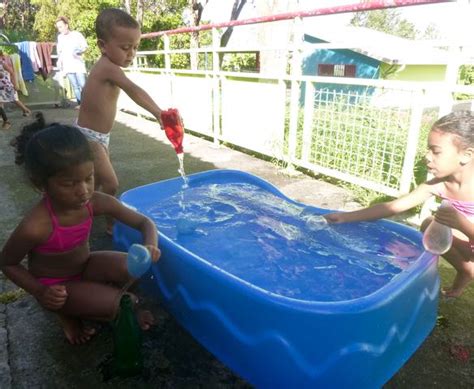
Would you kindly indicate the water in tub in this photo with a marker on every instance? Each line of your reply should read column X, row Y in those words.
column 281, row 247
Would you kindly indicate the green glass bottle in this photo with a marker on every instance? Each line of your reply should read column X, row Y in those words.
column 127, row 356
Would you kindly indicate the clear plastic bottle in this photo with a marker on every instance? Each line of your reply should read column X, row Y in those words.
column 316, row 222
column 438, row 238
column 138, row 260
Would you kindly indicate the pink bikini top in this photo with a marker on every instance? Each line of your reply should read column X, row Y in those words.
column 65, row 238
column 465, row 207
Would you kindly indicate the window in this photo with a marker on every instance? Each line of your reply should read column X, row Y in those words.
column 330, row 70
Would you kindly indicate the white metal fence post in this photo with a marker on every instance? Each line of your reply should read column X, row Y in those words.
column 308, row 120
column 412, row 142
column 296, row 62
column 168, row 71
column 216, row 93
column 166, row 42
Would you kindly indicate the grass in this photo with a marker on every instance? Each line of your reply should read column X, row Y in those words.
column 11, row 296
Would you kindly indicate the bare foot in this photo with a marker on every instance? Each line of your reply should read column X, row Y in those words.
column 451, row 293
column 459, row 283
column 75, row 331
column 448, row 295
column 145, row 319
column 6, row 125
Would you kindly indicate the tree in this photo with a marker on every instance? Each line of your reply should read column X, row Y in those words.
column 389, row 21
column 17, row 18
column 466, row 77
column 431, row 32
column 196, row 8
column 234, row 15
column 81, row 15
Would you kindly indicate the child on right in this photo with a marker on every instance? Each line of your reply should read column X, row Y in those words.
column 118, row 37
column 63, row 274
column 450, row 159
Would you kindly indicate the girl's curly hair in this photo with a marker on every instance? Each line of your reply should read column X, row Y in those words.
column 46, row 149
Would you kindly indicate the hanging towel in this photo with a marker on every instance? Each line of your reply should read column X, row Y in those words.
column 44, row 53
column 35, row 59
column 26, row 66
column 19, row 77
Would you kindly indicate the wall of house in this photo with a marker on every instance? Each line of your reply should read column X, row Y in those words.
column 414, row 72
column 366, row 67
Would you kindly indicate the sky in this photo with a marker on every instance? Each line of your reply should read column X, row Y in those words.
column 452, row 20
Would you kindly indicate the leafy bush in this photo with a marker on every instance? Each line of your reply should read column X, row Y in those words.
column 240, row 62
column 466, row 77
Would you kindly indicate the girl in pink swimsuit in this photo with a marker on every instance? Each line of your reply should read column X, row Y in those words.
column 63, row 274
column 450, row 160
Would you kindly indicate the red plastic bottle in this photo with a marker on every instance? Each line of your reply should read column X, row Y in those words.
column 173, row 128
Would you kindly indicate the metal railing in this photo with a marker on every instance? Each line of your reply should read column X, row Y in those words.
column 359, row 130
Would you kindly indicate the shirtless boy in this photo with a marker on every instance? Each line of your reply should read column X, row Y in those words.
column 118, row 37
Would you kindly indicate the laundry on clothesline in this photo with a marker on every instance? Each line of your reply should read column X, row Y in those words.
column 35, row 58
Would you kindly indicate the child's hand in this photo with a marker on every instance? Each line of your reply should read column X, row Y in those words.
column 336, row 217
column 449, row 216
column 53, row 297
column 155, row 253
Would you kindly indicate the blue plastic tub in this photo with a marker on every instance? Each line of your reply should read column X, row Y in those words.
column 283, row 301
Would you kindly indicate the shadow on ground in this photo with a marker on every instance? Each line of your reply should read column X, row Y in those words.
column 33, row 352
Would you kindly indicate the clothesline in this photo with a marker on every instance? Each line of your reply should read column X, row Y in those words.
column 35, row 58
column 32, row 58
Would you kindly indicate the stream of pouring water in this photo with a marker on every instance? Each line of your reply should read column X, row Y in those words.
column 181, row 204
column 185, row 179
column 181, row 170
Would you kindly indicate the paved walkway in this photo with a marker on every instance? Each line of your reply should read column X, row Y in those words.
column 33, row 352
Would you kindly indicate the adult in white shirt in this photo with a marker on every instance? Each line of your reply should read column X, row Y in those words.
column 70, row 47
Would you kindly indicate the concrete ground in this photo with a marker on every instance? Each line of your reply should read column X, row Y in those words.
column 34, row 354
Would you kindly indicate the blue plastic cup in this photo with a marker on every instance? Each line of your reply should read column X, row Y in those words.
column 138, row 260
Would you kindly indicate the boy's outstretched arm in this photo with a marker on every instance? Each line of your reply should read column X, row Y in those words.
column 383, row 210
column 136, row 93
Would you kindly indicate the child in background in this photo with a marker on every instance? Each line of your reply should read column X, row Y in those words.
column 63, row 275
column 450, row 159
column 6, row 123
column 8, row 92
column 70, row 48
column 118, row 37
